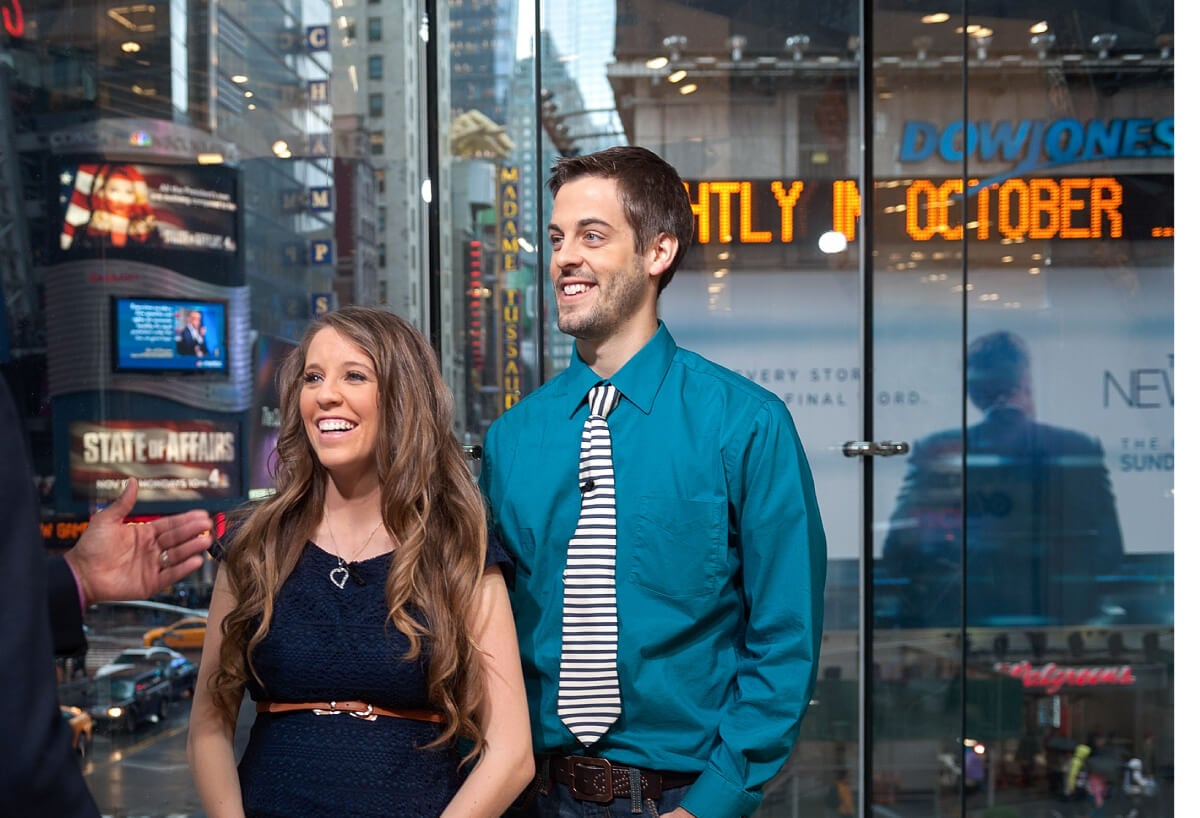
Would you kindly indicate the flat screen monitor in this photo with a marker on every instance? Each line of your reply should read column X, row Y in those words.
column 172, row 335
column 184, row 218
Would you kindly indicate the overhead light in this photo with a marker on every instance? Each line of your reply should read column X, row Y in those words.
column 247, row 94
column 1103, row 43
column 675, row 45
column 240, row 78
column 1040, row 27
column 982, row 41
column 797, row 44
column 210, row 159
column 280, row 148
column 124, row 16
column 1042, row 43
column 1165, row 43
column 1116, row 645
column 130, row 47
column 676, row 76
column 936, row 17
column 690, row 88
column 922, row 43
column 832, row 242
column 736, row 44
column 656, row 63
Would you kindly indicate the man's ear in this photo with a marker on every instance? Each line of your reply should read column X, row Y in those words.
column 661, row 254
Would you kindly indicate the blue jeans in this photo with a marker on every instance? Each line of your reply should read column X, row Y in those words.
column 556, row 801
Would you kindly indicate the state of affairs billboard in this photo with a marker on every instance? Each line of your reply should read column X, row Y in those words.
column 173, row 460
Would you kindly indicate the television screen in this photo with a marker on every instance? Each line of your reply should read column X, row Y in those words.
column 179, row 217
column 169, row 335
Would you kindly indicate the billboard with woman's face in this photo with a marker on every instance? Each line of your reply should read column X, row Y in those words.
column 184, row 217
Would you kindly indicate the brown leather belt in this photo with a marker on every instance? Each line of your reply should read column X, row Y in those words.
column 360, row 710
column 597, row 779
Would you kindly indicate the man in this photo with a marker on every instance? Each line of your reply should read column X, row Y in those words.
column 1040, row 519
column 39, row 774
column 719, row 564
column 191, row 337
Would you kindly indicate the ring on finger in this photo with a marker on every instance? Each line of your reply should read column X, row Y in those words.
column 164, row 559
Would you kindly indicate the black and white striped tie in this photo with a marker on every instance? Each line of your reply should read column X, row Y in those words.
column 589, row 697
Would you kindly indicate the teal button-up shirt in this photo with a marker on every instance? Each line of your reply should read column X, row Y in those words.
column 720, row 566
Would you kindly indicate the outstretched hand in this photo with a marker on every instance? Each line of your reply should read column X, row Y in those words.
column 117, row 561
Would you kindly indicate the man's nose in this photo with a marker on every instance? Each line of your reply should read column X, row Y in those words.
column 566, row 255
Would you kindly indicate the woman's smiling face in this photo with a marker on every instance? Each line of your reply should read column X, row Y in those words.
column 339, row 405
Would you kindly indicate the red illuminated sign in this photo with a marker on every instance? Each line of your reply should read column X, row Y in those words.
column 1051, row 678
column 475, row 296
column 14, row 18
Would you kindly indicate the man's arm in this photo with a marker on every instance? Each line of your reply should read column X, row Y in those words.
column 39, row 775
column 66, row 610
column 113, row 560
column 778, row 529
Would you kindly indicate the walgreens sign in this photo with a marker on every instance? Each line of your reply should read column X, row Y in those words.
column 1051, row 678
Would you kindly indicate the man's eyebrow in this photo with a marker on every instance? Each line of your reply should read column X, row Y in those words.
column 589, row 221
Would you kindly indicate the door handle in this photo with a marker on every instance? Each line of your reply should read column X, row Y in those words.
column 869, row 448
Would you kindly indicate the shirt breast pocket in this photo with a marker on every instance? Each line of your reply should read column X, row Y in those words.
column 679, row 546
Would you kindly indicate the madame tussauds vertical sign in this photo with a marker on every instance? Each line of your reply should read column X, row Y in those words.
column 172, row 459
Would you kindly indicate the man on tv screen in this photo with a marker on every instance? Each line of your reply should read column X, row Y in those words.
column 191, row 337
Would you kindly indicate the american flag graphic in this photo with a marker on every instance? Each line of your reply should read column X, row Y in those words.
column 78, row 195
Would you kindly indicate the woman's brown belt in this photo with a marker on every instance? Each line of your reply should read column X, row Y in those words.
column 360, row 710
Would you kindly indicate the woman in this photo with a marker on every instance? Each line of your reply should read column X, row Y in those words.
column 121, row 212
column 359, row 589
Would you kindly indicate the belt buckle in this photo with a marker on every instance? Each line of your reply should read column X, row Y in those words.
column 591, row 778
column 365, row 715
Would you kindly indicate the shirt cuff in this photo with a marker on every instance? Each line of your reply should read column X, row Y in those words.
column 78, row 588
column 711, row 796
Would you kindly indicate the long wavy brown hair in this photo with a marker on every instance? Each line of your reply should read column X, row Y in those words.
column 431, row 507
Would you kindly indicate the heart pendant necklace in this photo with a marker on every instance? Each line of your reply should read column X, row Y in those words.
column 345, row 570
column 339, row 574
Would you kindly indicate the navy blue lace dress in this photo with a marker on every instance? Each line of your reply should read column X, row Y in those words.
column 329, row 643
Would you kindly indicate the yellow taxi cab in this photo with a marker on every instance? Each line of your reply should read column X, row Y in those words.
column 185, row 634
column 82, row 729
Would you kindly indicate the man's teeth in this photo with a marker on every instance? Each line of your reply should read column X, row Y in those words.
column 574, row 289
column 335, row 425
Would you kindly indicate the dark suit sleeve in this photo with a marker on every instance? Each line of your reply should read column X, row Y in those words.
column 1105, row 545
column 66, row 617
column 39, row 775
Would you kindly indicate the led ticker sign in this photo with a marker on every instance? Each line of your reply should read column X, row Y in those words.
column 1018, row 209
column 782, row 212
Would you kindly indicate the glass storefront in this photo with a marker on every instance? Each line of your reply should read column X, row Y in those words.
column 943, row 235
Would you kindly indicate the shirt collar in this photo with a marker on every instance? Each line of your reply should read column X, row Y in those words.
column 638, row 380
